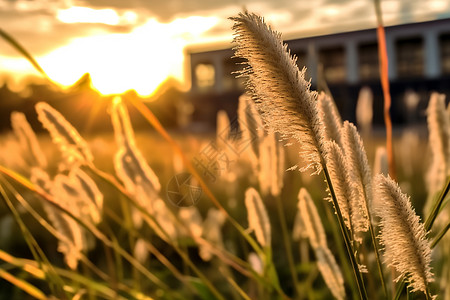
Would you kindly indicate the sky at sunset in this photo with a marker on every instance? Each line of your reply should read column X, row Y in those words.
column 137, row 44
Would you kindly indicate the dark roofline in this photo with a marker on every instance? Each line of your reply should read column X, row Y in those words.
column 226, row 46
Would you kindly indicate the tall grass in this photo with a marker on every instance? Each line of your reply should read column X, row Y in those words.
column 116, row 235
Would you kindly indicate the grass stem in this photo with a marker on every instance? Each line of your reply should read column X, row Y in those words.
column 345, row 235
column 287, row 243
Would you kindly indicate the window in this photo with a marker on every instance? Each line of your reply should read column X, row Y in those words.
column 333, row 62
column 205, row 75
column 444, row 45
column 410, row 57
column 368, row 61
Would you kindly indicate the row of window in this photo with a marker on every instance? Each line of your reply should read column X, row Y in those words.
column 410, row 56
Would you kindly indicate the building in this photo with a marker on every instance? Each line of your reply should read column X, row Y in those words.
column 419, row 62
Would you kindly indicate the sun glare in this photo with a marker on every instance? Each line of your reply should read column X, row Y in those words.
column 141, row 59
column 77, row 14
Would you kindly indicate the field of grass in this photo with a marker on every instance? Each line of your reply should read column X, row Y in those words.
column 227, row 215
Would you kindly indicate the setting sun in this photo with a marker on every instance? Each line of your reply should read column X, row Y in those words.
column 139, row 60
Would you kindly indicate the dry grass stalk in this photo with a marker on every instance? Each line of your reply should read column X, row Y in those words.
column 403, row 235
column 70, row 238
column 331, row 119
column 212, row 232
column 326, row 262
column 346, row 194
column 331, row 272
column 192, row 219
column 360, row 172
column 380, row 165
column 73, row 147
column 28, row 140
column 131, row 167
column 439, row 139
column 251, row 126
column 258, row 219
column 281, row 93
column 310, row 220
column 271, row 165
column 222, row 130
column 266, row 151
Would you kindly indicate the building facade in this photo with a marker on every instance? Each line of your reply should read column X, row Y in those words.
column 419, row 63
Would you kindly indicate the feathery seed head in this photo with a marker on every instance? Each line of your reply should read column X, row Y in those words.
column 271, row 165
column 258, row 220
column 380, row 166
column 330, row 117
column 212, row 232
column 310, row 220
column 403, row 235
column 346, row 191
column 191, row 217
column 439, row 138
column 281, row 93
column 28, row 140
column 331, row 272
column 250, row 123
column 359, row 170
column 63, row 134
column 222, row 129
column 70, row 235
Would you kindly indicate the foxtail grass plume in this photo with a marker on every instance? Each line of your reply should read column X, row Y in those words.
column 90, row 188
column 364, row 109
column 330, row 117
column 271, row 165
column 360, row 172
column 73, row 147
column 251, row 126
column 223, row 128
column 84, row 195
column 140, row 251
column 347, row 197
column 266, row 151
column 192, row 219
column 70, row 236
column 227, row 148
column 299, row 230
column 310, row 220
column 281, row 93
column 28, row 140
column 258, row 219
column 256, row 263
column 212, row 232
column 439, row 140
column 331, row 272
column 326, row 262
column 130, row 165
column 403, row 235
column 409, row 140
column 380, row 165
column 77, row 195
column 166, row 220
column 9, row 156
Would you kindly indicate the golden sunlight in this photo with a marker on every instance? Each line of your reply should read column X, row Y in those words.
column 141, row 59
column 77, row 14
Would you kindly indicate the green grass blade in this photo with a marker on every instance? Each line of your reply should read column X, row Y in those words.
column 23, row 285
column 55, row 282
column 15, row 44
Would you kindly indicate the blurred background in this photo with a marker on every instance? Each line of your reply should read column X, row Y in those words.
column 177, row 56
